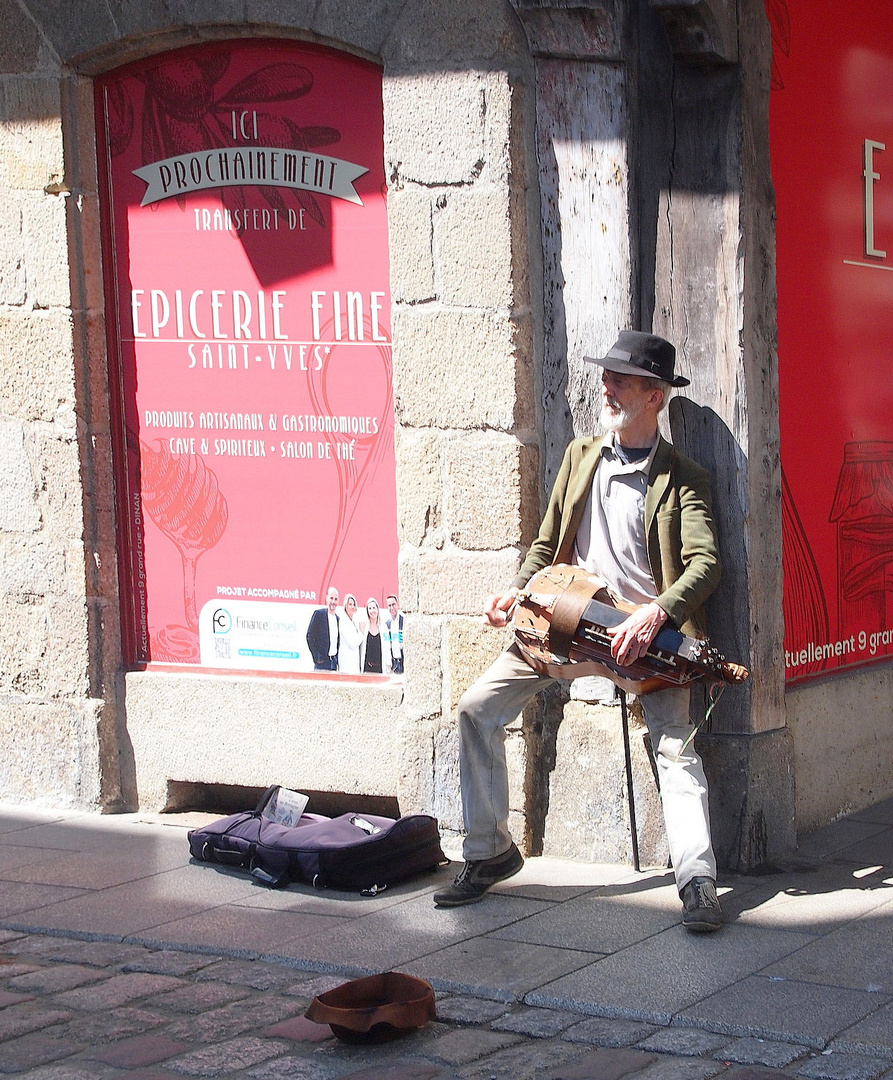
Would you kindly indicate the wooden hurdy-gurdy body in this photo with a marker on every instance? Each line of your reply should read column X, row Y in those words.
column 561, row 622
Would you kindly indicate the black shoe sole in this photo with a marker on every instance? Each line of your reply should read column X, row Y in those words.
column 446, row 901
column 702, row 927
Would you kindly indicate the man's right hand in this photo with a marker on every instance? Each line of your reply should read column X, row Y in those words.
column 497, row 606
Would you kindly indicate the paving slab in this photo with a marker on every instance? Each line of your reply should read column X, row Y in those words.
column 134, row 907
column 170, row 962
column 464, row 1009
column 873, row 1035
column 558, row 880
column 293, row 1067
column 882, row 812
column 813, row 900
column 782, row 1009
column 138, row 1052
column 89, row 870
column 464, row 1045
column 339, row 902
column 685, row 1042
column 254, row 932
column 874, row 850
column 115, row 991
column 666, row 973
column 102, row 1027
column 825, row 843
column 238, row 1018
column 394, row 937
column 493, row 968
column 32, row 1051
column 89, row 949
column 198, row 998
column 601, row 921
column 856, row 955
column 18, row 900
column 54, row 978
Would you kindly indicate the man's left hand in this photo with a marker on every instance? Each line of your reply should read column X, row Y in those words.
column 631, row 638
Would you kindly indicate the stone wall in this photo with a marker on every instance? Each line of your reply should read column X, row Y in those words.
column 49, row 718
column 537, row 203
column 458, row 140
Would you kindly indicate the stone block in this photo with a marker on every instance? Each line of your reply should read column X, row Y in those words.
column 751, row 780
column 58, row 474
column 31, row 568
column 286, row 730
column 471, row 646
column 18, row 1020
column 492, row 491
column 23, row 638
column 20, row 41
column 473, row 248
column 415, row 749
column 49, row 752
column 467, row 30
column 36, row 347
column 458, row 582
column 840, row 767
column 411, row 245
column 46, row 251
column 229, row 1055
column 434, row 127
column 139, row 1051
column 19, row 506
column 31, row 156
column 419, row 487
column 408, row 578
column 588, row 816
column 462, row 369
column 367, row 26
column 12, row 250
column 447, row 801
column 423, row 675
column 64, row 664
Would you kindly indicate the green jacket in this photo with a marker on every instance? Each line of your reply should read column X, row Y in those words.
column 679, row 527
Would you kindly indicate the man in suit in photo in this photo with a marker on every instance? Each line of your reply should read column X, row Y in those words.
column 324, row 634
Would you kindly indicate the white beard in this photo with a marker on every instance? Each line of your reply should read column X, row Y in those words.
column 617, row 419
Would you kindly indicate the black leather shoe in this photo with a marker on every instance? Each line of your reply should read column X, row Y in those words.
column 701, row 912
column 476, row 877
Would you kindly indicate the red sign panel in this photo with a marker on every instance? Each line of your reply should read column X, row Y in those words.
column 247, row 277
column 832, row 166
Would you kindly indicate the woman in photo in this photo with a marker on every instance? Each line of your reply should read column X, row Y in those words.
column 372, row 651
column 351, row 638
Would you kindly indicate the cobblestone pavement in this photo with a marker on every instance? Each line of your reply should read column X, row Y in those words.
column 73, row 1009
column 121, row 959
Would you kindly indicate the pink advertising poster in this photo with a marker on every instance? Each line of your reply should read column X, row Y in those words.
column 248, row 309
column 831, row 138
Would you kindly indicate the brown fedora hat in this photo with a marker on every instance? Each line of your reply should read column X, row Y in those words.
column 637, row 353
column 375, row 1008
